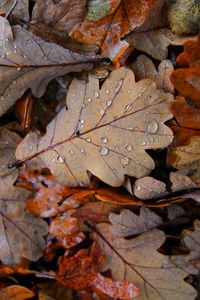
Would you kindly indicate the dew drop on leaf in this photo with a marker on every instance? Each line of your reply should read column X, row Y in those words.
column 96, row 94
column 152, row 126
column 129, row 148
column 60, row 159
column 107, row 91
column 118, row 86
column 108, row 103
column 104, row 151
column 125, row 161
column 104, row 140
column 102, row 112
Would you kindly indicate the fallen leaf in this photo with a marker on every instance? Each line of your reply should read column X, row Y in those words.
column 16, row 292
column 26, row 61
column 149, row 188
column 54, row 291
column 16, row 9
column 8, row 143
column 21, row 233
column 106, row 23
column 137, row 260
column 110, row 127
column 186, row 80
column 59, row 15
column 190, row 262
column 127, row 223
column 187, row 157
column 116, row 289
column 188, row 116
column 143, row 67
column 155, row 42
column 184, row 16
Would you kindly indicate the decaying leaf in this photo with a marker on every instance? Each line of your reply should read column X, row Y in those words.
column 54, row 291
column 186, row 80
column 21, row 233
column 26, row 61
column 155, row 42
column 184, row 16
column 59, row 15
column 16, row 292
column 143, row 67
column 127, row 223
column 190, row 262
column 108, row 21
column 137, row 260
column 104, row 131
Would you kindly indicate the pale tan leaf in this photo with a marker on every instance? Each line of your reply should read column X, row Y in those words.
column 26, row 61
column 16, row 292
column 155, row 42
column 21, row 233
column 127, row 223
column 190, row 262
column 138, row 261
column 143, row 67
column 104, row 131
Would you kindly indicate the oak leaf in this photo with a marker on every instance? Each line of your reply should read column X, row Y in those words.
column 16, row 9
column 155, row 42
column 190, row 262
column 16, row 292
column 104, row 131
column 106, row 23
column 137, row 260
column 143, row 67
column 59, row 15
column 127, row 223
column 21, row 233
column 26, row 61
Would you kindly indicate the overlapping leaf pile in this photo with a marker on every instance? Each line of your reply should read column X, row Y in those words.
column 99, row 144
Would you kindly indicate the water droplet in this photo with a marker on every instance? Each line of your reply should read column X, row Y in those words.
column 143, row 143
column 128, row 107
column 108, row 103
column 107, row 91
column 60, row 159
column 152, row 127
column 2, row 98
column 118, row 86
column 84, row 105
column 102, row 112
column 124, row 160
column 138, row 188
column 107, row 128
column 15, row 51
column 129, row 92
column 129, row 128
column 104, row 140
column 71, row 151
column 96, row 94
column 151, row 139
column 19, row 69
column 89, row 100
column 129, row 148
column 88, row 140
column 83, row 151
column 73, row 95
column 82, row 121
column 53, row 159
column 31, row 147
column 104, row 151
column 14, row 82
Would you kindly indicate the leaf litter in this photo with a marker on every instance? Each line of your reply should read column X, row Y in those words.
column 99, row 144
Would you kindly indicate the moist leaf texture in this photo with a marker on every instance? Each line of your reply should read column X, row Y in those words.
column 137, row 260
column 104, row 131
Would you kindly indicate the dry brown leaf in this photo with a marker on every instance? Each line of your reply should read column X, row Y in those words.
column 137, row 260
column 187, row 157
column 127, row 223
column 54, row 291
column 8, row 144
column 149, row 188
column 17, row 9
column 143, row 67
column 155, row 42
column 16, row 292
column 59, row 15
column 21, row 233
column 26, row 61
column 190, row 262
column 104, row 131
